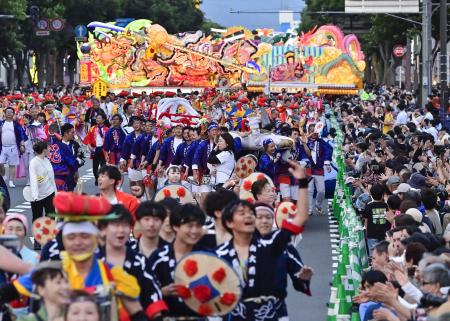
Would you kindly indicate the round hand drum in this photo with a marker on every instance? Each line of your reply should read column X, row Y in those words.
column 207, row 284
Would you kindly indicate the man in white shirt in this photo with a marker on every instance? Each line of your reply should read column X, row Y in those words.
column 107, row 106
column 430, row 129
column 11, row 146
column 402, row 116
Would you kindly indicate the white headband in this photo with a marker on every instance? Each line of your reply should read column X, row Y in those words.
column 79, row 227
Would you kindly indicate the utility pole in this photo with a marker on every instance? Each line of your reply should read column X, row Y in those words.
column 426, row 51
column 444, row 66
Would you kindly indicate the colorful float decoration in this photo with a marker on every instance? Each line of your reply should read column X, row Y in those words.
column 143, row 54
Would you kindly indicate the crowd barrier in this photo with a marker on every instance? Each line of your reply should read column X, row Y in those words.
column 351, row 247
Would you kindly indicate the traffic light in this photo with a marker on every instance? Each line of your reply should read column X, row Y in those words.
column 34, row 14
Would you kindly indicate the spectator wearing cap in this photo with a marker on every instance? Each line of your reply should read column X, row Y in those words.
column 17, row 224
column 392, row 183
column 402, row 189
column 417, row 181
column 418, row 218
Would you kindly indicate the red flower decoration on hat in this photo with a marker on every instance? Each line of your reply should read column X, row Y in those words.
column 219, row 275
column 190, row 267
column 285, row 210
column 228, row 298
column 202, row 293
column 247, row 185
column 260, row 177
column 250, row 200
column 293, row 207
column 244, row 167
column 183, row 292
column 167, row 193
column 181, row 192
column 204, row 309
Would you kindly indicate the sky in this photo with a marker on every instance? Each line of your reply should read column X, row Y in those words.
column 219, row 11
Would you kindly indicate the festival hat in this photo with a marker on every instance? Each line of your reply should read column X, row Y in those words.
column 245, row 166
column 176, row 191
column 285, row 211
column 245, row 192
column 75, row 207
column 207, row 284
column 66, row 100
column 44, row 229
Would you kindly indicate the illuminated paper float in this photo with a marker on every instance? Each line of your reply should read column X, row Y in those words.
column 145, row 55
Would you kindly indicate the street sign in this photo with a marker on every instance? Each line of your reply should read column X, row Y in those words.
column 42, row 33
column 399, row 51
column 382, row 6
column 42, row 24
column 57, row 24
column 80, row 39
column 99, row 88
column 80, row 31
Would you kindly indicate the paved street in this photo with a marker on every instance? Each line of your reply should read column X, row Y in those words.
column 315, row 250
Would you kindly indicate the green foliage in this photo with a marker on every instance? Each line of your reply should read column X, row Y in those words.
column 310, row 18
column 176, row 15
column 18, row 35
